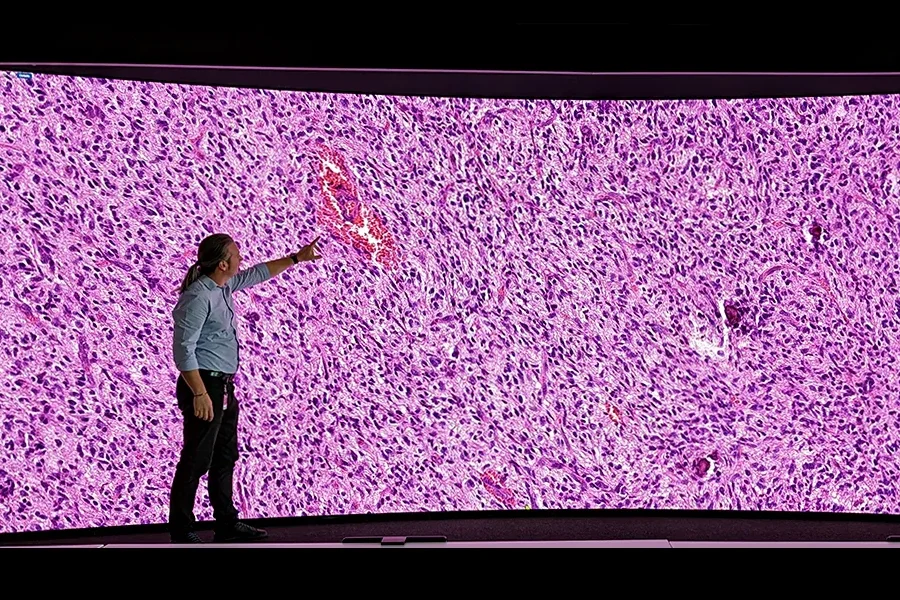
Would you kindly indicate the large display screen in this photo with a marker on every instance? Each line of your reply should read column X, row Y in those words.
column 522, row 304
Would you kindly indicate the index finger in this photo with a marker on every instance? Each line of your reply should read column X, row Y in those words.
column 315, row 241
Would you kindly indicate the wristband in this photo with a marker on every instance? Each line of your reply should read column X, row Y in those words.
column 198, row 395
column 294, row 258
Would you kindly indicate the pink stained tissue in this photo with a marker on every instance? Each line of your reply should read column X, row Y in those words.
column 522, row 304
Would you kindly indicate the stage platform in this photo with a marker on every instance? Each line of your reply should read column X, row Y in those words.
column 500, row 530
column 509, row 545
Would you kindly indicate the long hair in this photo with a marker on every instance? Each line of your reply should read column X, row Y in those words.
column 212, row 250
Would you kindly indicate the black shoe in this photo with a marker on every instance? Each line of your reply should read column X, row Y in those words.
column 240, row 532
column 187, row 538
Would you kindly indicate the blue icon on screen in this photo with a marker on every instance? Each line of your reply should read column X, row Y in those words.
column 23, row 75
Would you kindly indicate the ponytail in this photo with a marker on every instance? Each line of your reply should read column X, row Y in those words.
column 193, row 275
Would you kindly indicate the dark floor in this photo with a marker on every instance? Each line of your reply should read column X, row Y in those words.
column 519, row 527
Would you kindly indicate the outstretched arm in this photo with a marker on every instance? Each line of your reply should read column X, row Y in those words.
column 276, row 267
column 307, row 253
column 263, row 271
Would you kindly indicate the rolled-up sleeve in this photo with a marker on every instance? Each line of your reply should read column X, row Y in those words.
column 249, row 277
column 189, row 315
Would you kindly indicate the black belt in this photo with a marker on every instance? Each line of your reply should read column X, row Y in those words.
column 226, row 377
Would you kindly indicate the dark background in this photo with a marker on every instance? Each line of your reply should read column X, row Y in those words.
column 737, row 43
column 537, row 60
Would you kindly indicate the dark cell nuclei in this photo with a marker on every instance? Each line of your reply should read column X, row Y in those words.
column 815, row 231
column 732, row 315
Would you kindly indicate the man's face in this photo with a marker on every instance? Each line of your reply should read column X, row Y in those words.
column 232, row 263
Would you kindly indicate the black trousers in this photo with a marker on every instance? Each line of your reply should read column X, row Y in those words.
column 209, row 446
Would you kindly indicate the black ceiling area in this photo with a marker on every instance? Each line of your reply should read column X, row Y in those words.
column 737, row 46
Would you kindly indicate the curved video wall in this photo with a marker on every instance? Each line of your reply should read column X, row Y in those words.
column 522, row 304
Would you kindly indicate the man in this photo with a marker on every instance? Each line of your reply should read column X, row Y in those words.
column 207, row 354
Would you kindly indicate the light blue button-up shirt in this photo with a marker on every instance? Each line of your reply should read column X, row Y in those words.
column 205, row 325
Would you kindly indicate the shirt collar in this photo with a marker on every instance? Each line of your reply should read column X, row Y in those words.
column 208, row 283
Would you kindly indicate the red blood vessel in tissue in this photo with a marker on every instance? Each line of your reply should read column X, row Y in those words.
column 346, row 217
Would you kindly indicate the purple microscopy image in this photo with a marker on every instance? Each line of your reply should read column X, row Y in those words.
column 522, row 304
